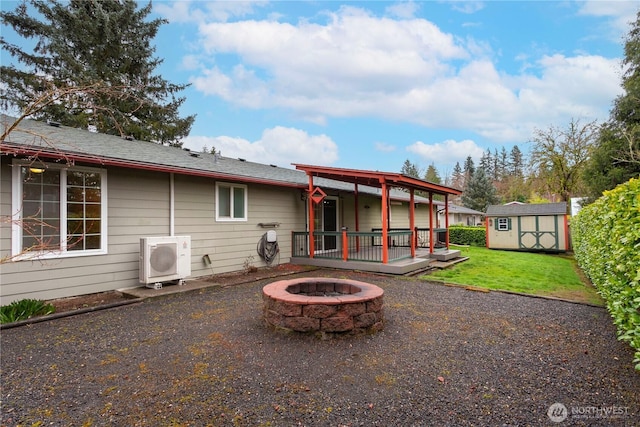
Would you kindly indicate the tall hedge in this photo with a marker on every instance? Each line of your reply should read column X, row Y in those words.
column 606, row 242
column 467, row 235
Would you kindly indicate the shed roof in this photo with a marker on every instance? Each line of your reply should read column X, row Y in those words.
column 527, row 209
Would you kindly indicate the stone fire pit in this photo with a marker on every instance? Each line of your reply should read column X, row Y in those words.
column 325, row 305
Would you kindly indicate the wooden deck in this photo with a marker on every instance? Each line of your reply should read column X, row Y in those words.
column 422, row 261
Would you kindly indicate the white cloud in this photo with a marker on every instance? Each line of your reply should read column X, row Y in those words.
column 446, row 153
column 190, row 62
column 467, row 7
column 279, row 146
column 405, row 9
column 384, row 147
column 179, row 11
column 355, row 59
column 408, row 70
column 241, row 85
column 620, row 13
column 189, row 11
column 561, row 91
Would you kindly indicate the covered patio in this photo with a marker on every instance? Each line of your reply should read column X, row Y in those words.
column 383, row 248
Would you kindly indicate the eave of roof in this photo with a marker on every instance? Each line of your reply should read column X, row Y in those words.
column 39, row 140
column 376, row 178
column 71, row 157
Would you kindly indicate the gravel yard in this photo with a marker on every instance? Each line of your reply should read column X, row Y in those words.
column 446, row 356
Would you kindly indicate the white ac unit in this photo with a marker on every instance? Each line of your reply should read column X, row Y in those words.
column 164, row 259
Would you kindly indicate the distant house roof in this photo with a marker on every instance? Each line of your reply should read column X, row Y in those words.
column 460, row 209
column 40, row 140
column 527, row 209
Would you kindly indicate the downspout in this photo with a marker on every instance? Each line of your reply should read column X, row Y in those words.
column 446, row 219
column 385, row 243
column 430, row 223
column 172, row 202
column 312, row 242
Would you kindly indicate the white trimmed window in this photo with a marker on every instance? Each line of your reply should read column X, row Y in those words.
column 58, row 211
column 231, row 202
column 503, row 224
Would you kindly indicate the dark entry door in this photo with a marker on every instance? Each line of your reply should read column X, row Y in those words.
column 330, row 215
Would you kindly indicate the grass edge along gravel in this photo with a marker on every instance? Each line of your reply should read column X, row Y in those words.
column 538, row 274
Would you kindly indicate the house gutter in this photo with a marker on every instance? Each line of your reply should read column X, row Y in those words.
column 6, row 148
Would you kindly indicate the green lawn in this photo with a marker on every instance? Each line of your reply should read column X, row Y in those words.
column 528, row 273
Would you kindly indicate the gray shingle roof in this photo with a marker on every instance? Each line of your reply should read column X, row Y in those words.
column 97, row 148
column 84, row 146
column 528, row 209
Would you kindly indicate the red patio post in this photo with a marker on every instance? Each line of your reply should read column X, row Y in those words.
column 357, row 217
column 345, row 244
column 446, row 219
column 486, row 232
column 385, row 204
column 430, row 222
column 312, row 242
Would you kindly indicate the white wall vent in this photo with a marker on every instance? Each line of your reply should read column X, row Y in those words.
column 164, row 259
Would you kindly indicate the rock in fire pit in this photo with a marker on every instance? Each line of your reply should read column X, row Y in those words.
column 324, row 305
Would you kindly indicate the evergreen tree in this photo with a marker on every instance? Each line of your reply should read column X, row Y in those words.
column 94, row 60
column 469, row 167
column 485, row 162
column 626, row 105
column 410, row 169
column 457, row 177
column 605, row 170
column 501, row 161
column 516, row 162
column 616, row 156
column 457, row 181
column 493, row 165
column 479, row 192
column 432, row 175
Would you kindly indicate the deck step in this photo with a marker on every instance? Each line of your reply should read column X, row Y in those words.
column 421, row 271
column 445, row 255
column 446, row 264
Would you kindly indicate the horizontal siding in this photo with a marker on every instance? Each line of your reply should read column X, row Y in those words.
column 5, row 208
column 372, row 217
column 138, row 206
column 509, row 239
column 230, row 244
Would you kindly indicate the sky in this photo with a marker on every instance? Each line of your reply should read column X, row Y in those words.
column 370, row 84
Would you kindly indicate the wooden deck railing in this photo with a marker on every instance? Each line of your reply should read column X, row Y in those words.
column 422, row 235
column 352, row 245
